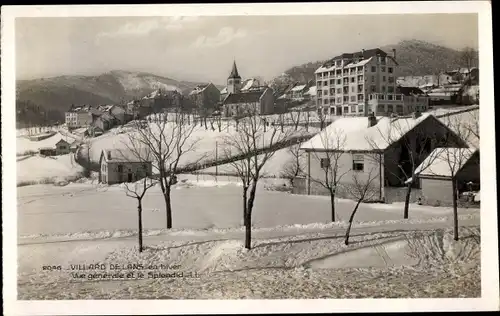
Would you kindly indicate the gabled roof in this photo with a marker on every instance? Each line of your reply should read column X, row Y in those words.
column 234, row 72
column 357, row 136
column 442, row 162
column 243, row 97
column 223, row 91
column 141, row 154
column 312, row 91
column 62, row 141
column 249, row 83
column 364, row 56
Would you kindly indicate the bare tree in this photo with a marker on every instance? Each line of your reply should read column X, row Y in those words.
column 322, row 118
column 468, row 57
column 360, row 190
column 293, row 167
column 450, row 160
column 138, row 190
column 404, row 147
column 168, row 142
column 332, row 147
column 296, row 118
column 246, row 141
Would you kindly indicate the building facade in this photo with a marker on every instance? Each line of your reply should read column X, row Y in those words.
column 345, row 82
column 405, row 101
column 78, row 117
column 118, row 166
column 205, row 98
column 260, row 102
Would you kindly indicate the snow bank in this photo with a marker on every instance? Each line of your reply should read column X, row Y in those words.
column 37, row 169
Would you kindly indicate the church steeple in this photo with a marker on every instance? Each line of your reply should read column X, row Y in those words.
column 234, row 80
column 234, row 72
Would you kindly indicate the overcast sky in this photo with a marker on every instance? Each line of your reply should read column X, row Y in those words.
column 203, row 48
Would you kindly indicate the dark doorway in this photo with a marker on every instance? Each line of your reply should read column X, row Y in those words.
column 129, row 177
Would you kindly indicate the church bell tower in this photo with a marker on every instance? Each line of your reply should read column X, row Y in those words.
column 234, row 80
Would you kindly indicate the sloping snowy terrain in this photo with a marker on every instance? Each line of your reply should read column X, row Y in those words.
column 38, row 169
column 23, row 144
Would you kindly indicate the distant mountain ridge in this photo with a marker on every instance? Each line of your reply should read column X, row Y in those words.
column 415, row 57
column 56, row 94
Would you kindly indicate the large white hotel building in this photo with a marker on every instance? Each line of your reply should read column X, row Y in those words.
column 364, row 82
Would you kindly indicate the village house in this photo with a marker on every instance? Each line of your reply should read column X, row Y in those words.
column 256, row 100
column 118, row 166
column 77, row 117
column 205, row 98
column 448, row 94
column 435, row 174
column 62, row 147
column 373, row 146
column 115, row 111
column 345, row 82
column 405, row 101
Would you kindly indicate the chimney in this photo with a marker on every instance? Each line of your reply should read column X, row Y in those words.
column 363, row 52
column 109, row 155
column 394, row 53
column 372, row 120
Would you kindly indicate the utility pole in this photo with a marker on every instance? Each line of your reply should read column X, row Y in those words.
column 216, row 164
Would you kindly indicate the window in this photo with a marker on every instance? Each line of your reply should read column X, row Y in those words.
column 383, row 88
column 383, row 78
column 325, row 92
column 390, row 108
column 339, row 90
column 325, row 83
column 346, row 99
column 380, row 108
column 353, row 89
column 373, row 78
column 358, row 162
column 325, row 101
column 332, row 81
column 382, row 69
column 339, row 100
column 389, row 70
column 390, row 97
column 325, row 163
column 120, row 168
column 381, row 97
column 339, row 81
column 353, row 98
column 391, row 79
column 398, row 97
column 371, row 97
column 360, row 97
column 390, row 89
column 373, row 88
column 353, row 79
column 353, row 109
column 374, row 69
column 346, row 109
column 360, row 109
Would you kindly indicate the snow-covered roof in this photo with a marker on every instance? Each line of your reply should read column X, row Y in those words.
column 249, row 83
column 353, row 133
column 442, row 162
column 299, row 87
column 312, row 91
column 140, row 154
column 223, row 91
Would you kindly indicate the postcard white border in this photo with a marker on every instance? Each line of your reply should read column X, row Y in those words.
column 489, row 232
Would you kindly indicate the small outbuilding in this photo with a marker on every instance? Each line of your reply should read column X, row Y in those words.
column 444, row 165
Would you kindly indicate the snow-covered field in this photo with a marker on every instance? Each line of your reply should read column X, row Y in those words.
column 38, row 169
column 24, row 145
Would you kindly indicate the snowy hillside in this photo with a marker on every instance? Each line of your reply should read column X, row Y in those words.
column 24, row 145
column 206, row 142
column 39, row 169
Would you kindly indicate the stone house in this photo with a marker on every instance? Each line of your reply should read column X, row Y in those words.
column 205, row 98
column 118, row 166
